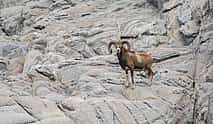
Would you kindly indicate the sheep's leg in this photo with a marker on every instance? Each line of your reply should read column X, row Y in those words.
column 150, row 73
column 127, row 79
column 132, row 77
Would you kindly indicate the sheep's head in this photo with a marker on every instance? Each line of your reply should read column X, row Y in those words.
column 119, row 46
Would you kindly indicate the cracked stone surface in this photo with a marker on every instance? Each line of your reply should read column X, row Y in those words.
column 55, row 67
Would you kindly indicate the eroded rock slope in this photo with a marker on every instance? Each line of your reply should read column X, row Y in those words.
column 55, row 67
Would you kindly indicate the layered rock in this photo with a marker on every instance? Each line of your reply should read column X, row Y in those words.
column 55, row 67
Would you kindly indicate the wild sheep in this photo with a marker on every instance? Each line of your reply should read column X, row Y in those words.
column 131, row 60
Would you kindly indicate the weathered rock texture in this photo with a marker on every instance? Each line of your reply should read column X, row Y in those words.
column 55, row 67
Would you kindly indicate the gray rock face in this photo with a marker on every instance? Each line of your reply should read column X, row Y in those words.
column 12, row 57
column 185, row 12
column 189, row 29
column 14, row 23
column 3, row 64
column 209, row 77
column 12, row 50
column 55, row 67
column 9, row 3
column 42, row 4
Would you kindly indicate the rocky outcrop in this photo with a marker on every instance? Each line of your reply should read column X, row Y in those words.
column 55, row 67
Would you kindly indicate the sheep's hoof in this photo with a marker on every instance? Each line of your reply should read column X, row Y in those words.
column 132, row 87
column 150, row 84
column 126, row 86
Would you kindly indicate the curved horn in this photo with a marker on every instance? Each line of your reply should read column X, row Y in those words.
column 109, row 47
column 127, row 43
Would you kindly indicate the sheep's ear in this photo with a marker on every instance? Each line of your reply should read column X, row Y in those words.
column 109, row 47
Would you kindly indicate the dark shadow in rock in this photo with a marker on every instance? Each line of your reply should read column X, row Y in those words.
column 39, row 27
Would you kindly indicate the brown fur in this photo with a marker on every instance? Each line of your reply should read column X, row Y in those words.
column 132, row 61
